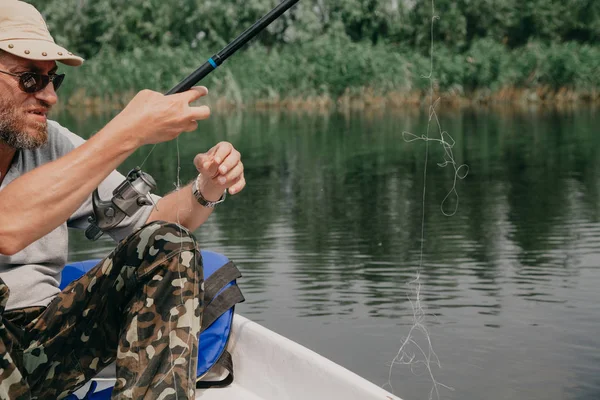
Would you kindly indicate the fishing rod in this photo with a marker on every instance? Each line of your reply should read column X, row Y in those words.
column 134, row 192
column 215, row 61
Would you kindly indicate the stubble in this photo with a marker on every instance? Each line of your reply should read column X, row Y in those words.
column 13, row 132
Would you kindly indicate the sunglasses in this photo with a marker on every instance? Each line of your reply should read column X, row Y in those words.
column 32, row 82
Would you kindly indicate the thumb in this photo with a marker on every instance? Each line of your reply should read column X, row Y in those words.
column 203, row 161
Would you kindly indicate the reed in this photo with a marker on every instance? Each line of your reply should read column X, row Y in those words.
column 330, row 73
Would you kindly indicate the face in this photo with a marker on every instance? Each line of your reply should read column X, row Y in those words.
column 23, row 116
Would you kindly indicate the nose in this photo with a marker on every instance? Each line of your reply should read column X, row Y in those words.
column 48, row 94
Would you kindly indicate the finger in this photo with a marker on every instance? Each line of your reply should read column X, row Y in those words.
column 202, row 89
column 199, row 113
column 191, row 126
column 230, row 162
column 232, row 176
column 238, row 186
column 212, row 151
column 222, row 151
column 200, row 160
column 193, row 94
column 210, row 168
column 207, row 167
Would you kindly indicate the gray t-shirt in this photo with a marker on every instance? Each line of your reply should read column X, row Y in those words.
column 33, row 274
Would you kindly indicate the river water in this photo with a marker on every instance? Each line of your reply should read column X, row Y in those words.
column 328, row 237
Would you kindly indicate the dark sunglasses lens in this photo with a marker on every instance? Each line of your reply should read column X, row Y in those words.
column 31, row 82
column 58, row 80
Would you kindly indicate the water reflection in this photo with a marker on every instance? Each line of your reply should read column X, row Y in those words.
column 328, row 230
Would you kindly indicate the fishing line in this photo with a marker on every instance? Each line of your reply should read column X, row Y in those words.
column 411, row 351
column 148, row 156
column 194, row 284
column 218, row 59
column 213, row 63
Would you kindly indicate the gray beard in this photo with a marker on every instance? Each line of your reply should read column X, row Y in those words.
column 12, row 130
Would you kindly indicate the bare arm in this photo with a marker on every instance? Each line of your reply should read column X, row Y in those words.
column 181, row 207
column 36, row 203
column 220, row 169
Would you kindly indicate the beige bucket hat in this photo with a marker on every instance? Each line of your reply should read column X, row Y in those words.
column 23, row 32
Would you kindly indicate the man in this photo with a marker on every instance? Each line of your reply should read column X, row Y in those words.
column 141, row 306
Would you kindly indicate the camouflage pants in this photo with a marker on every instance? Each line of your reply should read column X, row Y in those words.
column 141, row 307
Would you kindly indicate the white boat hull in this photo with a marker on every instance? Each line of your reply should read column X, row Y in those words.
column 268, row 366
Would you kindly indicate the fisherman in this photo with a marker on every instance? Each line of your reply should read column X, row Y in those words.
column 140, row 306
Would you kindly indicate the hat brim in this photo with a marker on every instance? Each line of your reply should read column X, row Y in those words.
column 40, row 50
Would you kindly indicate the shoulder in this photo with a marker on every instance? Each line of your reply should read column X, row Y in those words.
column 61, row 140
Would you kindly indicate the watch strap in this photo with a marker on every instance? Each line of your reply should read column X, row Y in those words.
column 200, row 199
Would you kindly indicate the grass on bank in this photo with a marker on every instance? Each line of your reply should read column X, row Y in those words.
column 333, row 72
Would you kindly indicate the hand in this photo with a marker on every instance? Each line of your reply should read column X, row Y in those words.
column 154, row 118
column 220, row 168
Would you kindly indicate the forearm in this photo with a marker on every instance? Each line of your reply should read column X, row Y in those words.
column 182, row 207
column 41, row 200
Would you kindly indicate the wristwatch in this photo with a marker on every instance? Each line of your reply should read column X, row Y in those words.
column 202, row 200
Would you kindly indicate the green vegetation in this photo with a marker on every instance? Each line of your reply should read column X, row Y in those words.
column 370, row 51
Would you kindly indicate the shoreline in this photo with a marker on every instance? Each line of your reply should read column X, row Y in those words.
column 362, row 99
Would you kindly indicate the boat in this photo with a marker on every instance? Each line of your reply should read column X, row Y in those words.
column 268, row 366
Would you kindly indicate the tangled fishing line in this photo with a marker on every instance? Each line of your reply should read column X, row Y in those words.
column 416, row 348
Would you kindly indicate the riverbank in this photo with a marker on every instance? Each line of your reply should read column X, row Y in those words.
column 330, row 74
column 365, row 99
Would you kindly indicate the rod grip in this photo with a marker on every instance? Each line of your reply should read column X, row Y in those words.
column 194, row 78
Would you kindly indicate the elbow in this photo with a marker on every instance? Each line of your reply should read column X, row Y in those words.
column 9, row 247
column 14, row 238
column 8, row 252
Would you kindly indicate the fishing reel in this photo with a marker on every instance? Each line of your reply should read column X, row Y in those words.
column 128, row 198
